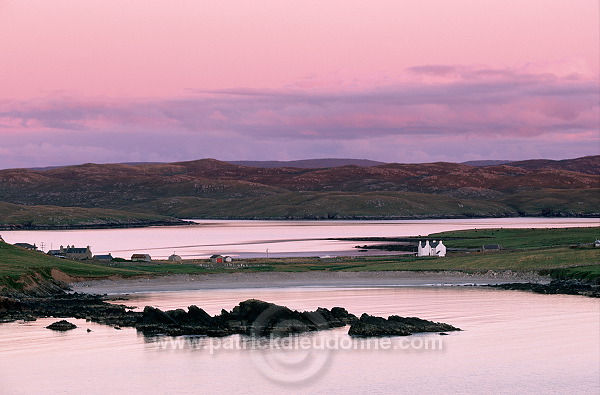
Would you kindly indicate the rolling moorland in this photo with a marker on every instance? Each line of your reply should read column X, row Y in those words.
column 122, row 194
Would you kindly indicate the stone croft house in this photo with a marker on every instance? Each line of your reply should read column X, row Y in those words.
column 79, row 254
column 435, row 248
column 141, row 258
column 72, row 252
column 174, row 258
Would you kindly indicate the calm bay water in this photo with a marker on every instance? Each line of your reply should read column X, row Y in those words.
column 512, row 342
column 253, row 238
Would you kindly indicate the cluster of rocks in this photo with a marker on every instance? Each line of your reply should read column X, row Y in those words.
column 251, row 317
column 63, row 305
column 369, row 325
column 567, row 287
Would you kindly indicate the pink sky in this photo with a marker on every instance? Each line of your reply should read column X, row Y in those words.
column 397, row 81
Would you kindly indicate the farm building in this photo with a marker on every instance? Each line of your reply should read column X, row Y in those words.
column 220, row 259
column 141, row 258
column 491, row 247
column 27, row 246
column 103, row 258
column 79, row 254
column 435, row 248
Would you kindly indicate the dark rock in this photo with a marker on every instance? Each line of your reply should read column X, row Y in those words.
column 63, row 325
column 251, row 317
column 369, row 325
column 9, row 304
column 152, row 315
column 566, row 287
column 75, row 305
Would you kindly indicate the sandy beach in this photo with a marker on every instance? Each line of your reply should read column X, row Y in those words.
column 301, row 279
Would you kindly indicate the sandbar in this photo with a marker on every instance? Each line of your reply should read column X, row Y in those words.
column 339, row 279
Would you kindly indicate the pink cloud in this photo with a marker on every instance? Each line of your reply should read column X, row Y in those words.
column 486, row 104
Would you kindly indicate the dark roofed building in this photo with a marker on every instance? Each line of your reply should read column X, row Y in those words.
column 491, row 247
column 56, row 253
column 216, row 258
column 103, row 258
column 27, row 246
column 79, row 254
column 141, row 258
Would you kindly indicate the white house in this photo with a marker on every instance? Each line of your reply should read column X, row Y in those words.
column 435, row 248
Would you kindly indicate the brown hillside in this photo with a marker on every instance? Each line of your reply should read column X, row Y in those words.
column 211, row 182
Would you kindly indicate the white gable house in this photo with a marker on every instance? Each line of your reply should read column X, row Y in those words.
column 435, row 248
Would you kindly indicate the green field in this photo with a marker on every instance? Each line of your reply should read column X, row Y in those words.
column 562, row 253
column 519, row 238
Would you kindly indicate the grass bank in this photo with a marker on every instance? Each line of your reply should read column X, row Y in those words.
column 561, row 253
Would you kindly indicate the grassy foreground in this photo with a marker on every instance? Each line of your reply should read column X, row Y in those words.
column 562, row 253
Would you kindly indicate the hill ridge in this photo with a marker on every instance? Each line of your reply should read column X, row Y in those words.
column 212, row 188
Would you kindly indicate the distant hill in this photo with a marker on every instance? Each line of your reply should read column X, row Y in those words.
column 309, row 163
column 585, row 165
column 13, row 216
column 209, row 188
column 486, row 162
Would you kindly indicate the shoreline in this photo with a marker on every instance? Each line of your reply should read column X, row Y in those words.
column 188, row 282
column 193, row 221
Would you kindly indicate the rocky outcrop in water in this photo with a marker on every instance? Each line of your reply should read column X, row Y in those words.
column 567, row 287
column 62, row 305
column 62, row 326
column 251, row 317
column 394, row 325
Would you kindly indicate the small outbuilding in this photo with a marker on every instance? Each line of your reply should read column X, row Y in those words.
column 56, row 253
column 174, row 258
column 491, row 247
column 104, row 258
column 221, row 259
column 216, row 258
column 141, row 258
column 27, row 246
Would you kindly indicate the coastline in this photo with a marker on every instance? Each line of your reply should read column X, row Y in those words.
column 187, row 282
column 125, row 225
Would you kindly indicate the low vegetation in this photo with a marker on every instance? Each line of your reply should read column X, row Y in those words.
column 520, row 238
column 209, row 188
column 561, row 253
column 13, row 216
column 18, row 266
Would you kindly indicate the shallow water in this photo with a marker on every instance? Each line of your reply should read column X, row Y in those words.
column 248, row 239
column 512, row 342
